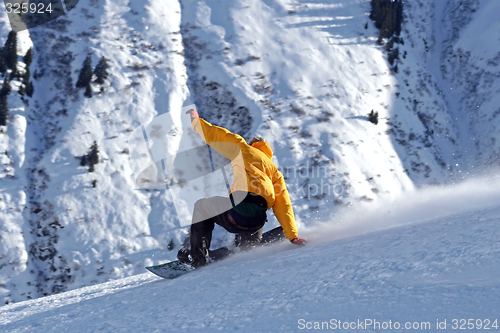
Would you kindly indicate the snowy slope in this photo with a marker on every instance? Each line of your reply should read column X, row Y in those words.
column 67, row 224
column 456, row 43
column 304, row 75
column 309, row 74
column 13, row 182
column 434, row 257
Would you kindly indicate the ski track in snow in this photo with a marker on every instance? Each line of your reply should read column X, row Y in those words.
column 431, row 269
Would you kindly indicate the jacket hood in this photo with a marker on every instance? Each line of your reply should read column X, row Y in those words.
column 264, row 147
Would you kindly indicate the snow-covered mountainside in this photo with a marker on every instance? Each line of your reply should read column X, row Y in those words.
column 431, row 259
column 303, row 74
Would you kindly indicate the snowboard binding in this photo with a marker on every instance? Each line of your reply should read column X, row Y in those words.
column 202, row 259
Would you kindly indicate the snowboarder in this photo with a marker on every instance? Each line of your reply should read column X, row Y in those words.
column 257, row 186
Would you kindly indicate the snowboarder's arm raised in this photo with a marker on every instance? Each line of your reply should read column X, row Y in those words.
column 212, row 133
column 215, row 134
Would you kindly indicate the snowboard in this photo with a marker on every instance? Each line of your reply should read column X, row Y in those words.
column 174, row 269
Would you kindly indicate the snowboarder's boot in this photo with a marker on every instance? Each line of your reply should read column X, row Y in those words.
column 247, row 241
column 183, row 256
column 201, row 257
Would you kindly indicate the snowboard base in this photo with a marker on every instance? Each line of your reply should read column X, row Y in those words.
column 170, row 270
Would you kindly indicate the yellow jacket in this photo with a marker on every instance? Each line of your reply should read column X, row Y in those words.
column 253, row 170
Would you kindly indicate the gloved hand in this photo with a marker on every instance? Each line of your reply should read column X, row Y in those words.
column 193, row 113
column 298, row 241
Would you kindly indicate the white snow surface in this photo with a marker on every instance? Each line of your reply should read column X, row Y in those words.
column 302, row 74
column 432, row 256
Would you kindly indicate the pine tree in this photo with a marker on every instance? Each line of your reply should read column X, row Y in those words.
column 10, row 52
column 4, row 110
column 25, row 80
column 83, row 161
column 26, row 76
column 26, row 85
column 28, row 57
column 85, row 75
column 398, row 17
column 88, row 91
column 93, row 156
column 101, row 71
column 29, row 89
column 5, row 90
column 3, row 64
column 373, row 117
column 387, row 16
column 386, row 30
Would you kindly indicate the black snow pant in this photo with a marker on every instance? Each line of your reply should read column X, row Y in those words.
column 213, row 210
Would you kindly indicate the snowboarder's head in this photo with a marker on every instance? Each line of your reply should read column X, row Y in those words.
column 256, row 139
